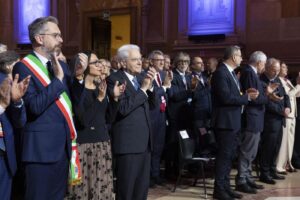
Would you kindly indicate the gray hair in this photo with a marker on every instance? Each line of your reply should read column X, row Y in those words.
column 7, row 58
column 230, row 51
column 180, row 56
column 167, row 56
column 123, row 51
column 3, row 48
column 38, row 26
column 154, row 53
column 257, row 56
column 271, row 61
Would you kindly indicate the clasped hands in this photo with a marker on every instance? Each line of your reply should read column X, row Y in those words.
column 252, row 93
column 13, row 90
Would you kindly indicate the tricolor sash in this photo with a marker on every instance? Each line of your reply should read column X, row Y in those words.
column 65, row 106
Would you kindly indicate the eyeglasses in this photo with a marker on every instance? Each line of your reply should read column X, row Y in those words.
column 55, row 35
column 99, row 62
column 159, row 60
column 135, row 59
column 183, row 62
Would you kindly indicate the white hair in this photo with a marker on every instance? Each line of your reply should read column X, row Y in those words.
column 123, row 51
column 271, row 61
column 257, row 56
column 3, row 48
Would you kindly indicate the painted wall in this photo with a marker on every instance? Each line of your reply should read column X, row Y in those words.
column 120, row 31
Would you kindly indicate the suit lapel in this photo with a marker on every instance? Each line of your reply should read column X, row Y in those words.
column 231, row 78
column 129, row 85
column 179, row 78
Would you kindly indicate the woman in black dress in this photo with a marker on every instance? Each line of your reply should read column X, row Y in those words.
column 93, row 111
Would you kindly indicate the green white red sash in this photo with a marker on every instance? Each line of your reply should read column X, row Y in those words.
column 65, row 106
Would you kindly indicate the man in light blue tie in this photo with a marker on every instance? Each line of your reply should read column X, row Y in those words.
column 135, row 83
column 131, row 130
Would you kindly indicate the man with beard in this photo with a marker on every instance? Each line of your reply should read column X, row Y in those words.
column 49, row 130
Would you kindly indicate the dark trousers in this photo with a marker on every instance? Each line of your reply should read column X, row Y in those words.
column 133, row 176
column 46, row 181
column 159, row 134
column 270, row 145
column 5, row 179
column 227, row 141
column 171, row 149
column 296, row 150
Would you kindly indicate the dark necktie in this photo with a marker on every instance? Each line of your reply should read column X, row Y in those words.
column 136, row 84
column 50, row 70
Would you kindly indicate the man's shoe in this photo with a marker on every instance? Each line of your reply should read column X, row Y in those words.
column 277, row 177
column 267, row 180
column 254, row 185
column 234, row 194
column 282, row 172
column 222, row 195
column 245, row 188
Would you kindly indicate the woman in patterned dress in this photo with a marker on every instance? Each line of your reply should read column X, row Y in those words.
column 93, row 111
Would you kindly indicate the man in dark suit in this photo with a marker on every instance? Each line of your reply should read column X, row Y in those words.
column 202, row 108
column 227, row 100
column 211, row 66
column 131, row 130
column 252, row 122
column 274, row 120
column 12, row 116
column 179, row 101
column 161, row 83
column 49, row 129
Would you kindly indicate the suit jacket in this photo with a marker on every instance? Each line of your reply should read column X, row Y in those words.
column 293, row 92
column 11, row 119
column 159, row 94
column 274, row 118
column 201, row 103
column 178, row 95
column 227, row 100
column 91, row 116
column 253, row 116
column 131, row 130
column 46, row 135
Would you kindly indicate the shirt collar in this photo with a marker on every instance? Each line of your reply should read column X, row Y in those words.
column 229, row 68
column 43, row 59
column 254, row 69
column 129, row 76
column 180, row 73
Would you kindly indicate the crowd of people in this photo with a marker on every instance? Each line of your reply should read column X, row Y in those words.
column 97, row 127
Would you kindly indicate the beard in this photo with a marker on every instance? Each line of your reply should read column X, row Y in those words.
column 54, row 50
